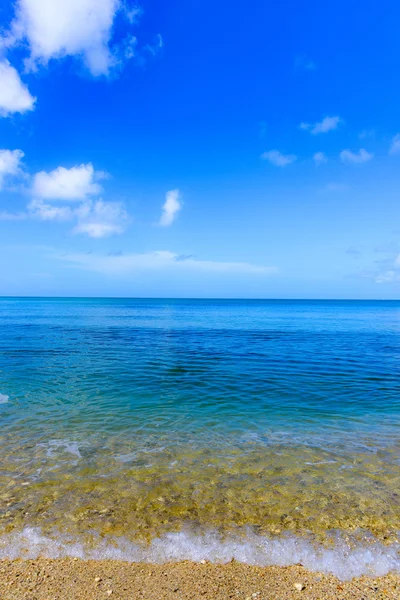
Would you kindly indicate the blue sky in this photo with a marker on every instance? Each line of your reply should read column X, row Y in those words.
column 200, row 149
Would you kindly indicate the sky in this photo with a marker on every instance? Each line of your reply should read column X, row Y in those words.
column 200, row 149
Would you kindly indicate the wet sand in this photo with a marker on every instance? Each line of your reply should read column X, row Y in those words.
column 75, row 579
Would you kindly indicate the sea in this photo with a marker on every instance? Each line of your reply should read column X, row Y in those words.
column 160, row 430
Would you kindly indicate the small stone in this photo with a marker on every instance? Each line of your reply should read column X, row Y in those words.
column 109, row 592
column 203, row 562
column 97, row 579
column 299, row 586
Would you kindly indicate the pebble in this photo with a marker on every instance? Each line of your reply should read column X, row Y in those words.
column 299, row 586
column 97, row 579
column 109, row 592
column 203, row 562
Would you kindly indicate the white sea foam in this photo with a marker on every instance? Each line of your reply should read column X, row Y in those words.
column 343, row 560
column 4, row 399
column 53, row 447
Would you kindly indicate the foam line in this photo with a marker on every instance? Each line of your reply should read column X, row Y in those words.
column 341, row 559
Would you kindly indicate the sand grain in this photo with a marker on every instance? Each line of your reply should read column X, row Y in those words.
column 71, row 579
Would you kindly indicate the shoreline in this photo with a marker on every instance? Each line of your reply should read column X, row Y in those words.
column 78, row 579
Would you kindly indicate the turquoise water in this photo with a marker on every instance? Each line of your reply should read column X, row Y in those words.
column 136, row 419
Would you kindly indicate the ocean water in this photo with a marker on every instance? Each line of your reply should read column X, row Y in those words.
column 266, row 431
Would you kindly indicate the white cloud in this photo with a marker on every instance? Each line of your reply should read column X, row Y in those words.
column 386, row 270
column 10, row 164
column 14, row 95
column 170, row 208
column 59, row 28
column 327, row 124
column 96, row 219
column 395, row 145
column 48, row 212
column 319, row 158
column 161, row 260
column 101, row 219
column 362, row 156
column 76, row 183
column 278, row 159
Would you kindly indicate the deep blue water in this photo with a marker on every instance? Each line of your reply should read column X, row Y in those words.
column 217, row 367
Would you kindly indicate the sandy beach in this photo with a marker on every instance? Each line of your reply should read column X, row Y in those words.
column 76, row 579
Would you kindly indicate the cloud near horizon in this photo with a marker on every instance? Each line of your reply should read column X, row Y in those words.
column 117, row 264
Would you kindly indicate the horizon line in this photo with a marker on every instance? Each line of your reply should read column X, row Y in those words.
column 51, row 297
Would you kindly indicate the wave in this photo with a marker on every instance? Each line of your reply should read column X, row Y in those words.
column 343, row 558
column 3, row 399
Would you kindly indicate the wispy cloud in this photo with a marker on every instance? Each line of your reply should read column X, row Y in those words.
column 49, row 212
column 334, row 186
column 390, row 248
column 327, row 124
column 275, row 157
column 386, row 269
column 262, row 129
column 353, row 251
column 366, row 134
column 170, row 208
column 162, row 260
column 320, row 158
column 389, row 276
column 355, row 158
column 304, row 63
column 9, row 216
column 395, row 144
column 97, row 219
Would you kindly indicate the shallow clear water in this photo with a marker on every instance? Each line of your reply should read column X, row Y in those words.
column 134, row 419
